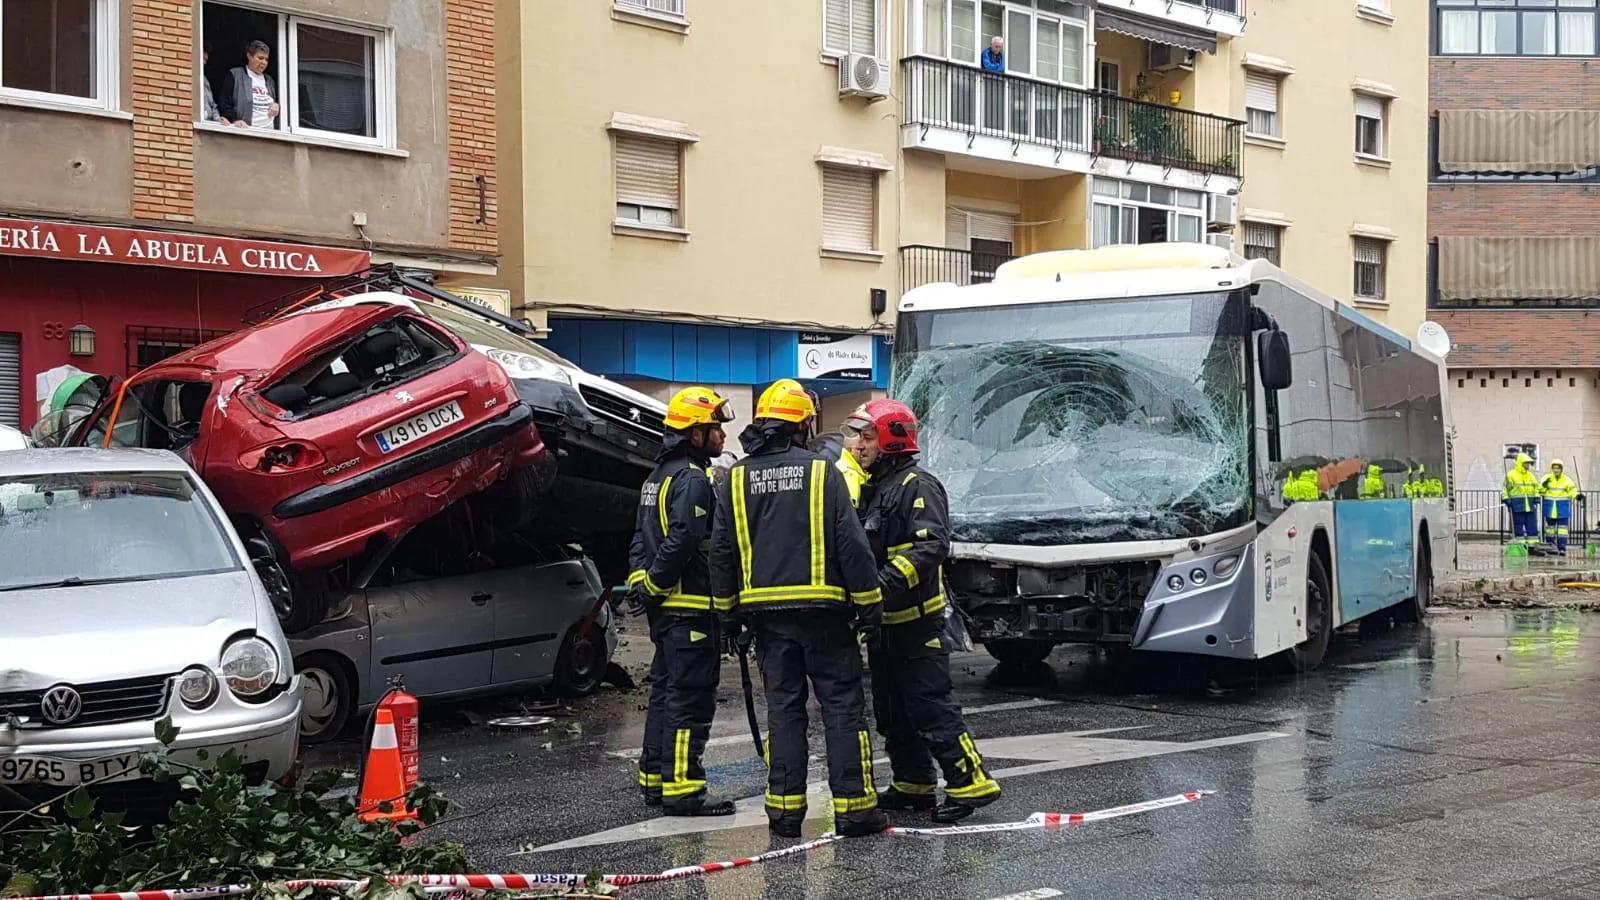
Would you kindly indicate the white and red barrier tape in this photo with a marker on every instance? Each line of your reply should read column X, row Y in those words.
column 444, row 884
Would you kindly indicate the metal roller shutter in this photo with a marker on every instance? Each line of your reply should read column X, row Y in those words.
column 991, row 227
column 847, row 208
column 11, row 379
column 647, row 171
column 1261, row 92
column 955, row 227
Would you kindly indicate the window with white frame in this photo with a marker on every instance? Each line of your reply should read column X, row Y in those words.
column 1369, row 125
column 853, row 26
column 1515, row 27
column 60, row 51
column 649, row 181
column 673, row 8
column 1263, row 241
column 1378, row 6
column 1129, row 212
column 325, row 79
column 1371, row 268
column 849, row 209
column 1047, row 39
column 1261, row 93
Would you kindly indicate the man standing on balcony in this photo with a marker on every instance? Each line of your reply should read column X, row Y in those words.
column 994, row 58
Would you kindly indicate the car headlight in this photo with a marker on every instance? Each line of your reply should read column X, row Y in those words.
column 197, row 687
column 526, row 365
column 250, row 667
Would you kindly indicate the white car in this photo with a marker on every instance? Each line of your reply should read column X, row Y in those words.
column 126, row 598
column 12, row 439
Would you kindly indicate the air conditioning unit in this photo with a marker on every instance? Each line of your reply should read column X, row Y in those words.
column 1165, row 58
column 863, row 75
column 1222, row 209
column 1225, row 241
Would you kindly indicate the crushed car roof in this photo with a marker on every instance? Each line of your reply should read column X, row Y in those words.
column 273, row 343
column 67, row 460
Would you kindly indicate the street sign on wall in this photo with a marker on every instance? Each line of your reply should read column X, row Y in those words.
column 497, row 299
column 836, row 356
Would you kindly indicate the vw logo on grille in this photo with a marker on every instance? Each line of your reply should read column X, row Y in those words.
column 61, row 705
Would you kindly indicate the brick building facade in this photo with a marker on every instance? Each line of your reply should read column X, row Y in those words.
column 128, row 210
column 1513, row 218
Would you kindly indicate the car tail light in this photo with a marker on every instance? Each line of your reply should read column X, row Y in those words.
column 285, row 456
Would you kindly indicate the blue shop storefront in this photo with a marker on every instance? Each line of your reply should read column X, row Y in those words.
column 844, row 369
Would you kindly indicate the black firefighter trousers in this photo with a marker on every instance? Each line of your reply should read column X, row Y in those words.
column 820, row 646
column 683, row 698
column 919, row 718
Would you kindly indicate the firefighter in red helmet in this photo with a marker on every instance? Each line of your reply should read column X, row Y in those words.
column 908, row 525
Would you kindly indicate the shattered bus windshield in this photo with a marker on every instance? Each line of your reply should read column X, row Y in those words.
column 1083, row 421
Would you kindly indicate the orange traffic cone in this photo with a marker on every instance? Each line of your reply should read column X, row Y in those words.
column 383, row 781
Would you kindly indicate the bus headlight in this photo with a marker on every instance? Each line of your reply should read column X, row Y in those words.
column 1224, row 567
column 1197, row 575
column 1175, row 582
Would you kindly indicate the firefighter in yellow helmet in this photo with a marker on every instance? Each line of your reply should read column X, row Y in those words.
column 670, row 575
column 1559, row 491
column 788, row 553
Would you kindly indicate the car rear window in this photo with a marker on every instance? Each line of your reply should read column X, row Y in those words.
column 96, row 528
column 383, row 356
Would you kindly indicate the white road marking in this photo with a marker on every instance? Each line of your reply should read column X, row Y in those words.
column 1062, row 750
column 1035, row 894
column 744, row 738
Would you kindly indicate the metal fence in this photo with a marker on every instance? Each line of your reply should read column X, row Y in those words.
column 1482, row 513
column 921, row 264
column 943, row 94
column 1228, row 6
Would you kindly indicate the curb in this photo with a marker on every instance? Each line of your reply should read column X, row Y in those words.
column 1463, row 587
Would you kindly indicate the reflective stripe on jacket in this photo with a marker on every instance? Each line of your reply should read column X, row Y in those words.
column 786, row 536
column 668, row 558
column 908, row 523
column 1521, row 489
column 1558, row 487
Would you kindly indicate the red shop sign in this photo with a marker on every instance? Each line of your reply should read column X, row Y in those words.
column 94, row 243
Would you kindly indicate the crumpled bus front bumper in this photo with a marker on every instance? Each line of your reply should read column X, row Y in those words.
column 1213, row 616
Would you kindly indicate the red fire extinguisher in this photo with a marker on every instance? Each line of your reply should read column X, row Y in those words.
column 405, row 710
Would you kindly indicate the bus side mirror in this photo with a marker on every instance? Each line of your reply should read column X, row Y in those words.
column 1272, row 355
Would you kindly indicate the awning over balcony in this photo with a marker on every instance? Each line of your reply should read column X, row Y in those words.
column 1151, row 30
column 1519, row 268
column 1545, row 141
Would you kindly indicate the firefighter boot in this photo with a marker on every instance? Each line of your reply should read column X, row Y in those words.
column 786, row 824
column 698, row 806
column 860, row 824
column 955, row 809
column 896, row 799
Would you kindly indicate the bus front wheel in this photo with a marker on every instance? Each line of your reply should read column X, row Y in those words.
column 1307, row 655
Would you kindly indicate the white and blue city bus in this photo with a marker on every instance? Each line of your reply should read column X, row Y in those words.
column 1167, row 448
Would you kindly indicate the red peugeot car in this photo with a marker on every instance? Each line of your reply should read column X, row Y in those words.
column 327, row 433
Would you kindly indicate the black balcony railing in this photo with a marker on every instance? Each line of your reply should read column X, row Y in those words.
column 1228, row 6
column 941, row 94
column 921, row 264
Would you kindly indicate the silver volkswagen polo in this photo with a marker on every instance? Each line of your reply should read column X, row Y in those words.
column 125, row 598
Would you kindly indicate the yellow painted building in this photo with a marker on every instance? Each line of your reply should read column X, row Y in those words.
column 694, row 192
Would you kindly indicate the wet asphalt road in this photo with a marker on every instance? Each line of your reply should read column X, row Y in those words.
column 1456, row 759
